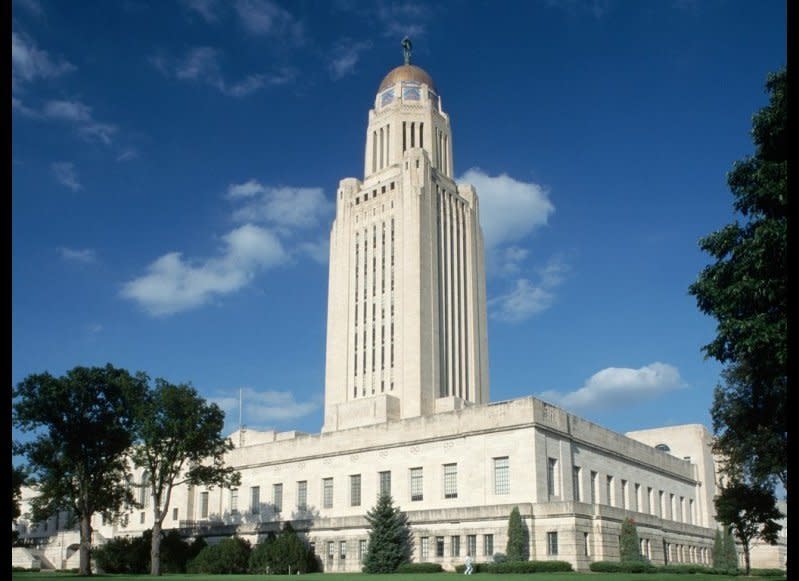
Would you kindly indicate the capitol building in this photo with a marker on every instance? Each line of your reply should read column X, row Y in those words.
column 407, row 406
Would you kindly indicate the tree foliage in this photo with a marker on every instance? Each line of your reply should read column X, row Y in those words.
column 19, row 477
column 284, row 554
column 229, row 556
column 179, row 441
column 518, row 545
column 750, row 511
column 83, row 425
column 630, row 548
column 745, row 290
column 390, row 541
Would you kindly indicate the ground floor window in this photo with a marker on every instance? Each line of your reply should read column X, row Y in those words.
column 471, row 545
column 439, row 546
column 455, row 547
column 587, row 544
column 424, row 548
column 552, row 543
column 488, row 545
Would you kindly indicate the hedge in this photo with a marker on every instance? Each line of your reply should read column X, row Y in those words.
column 768, row 572
column 519, row 567
column 617, row 567
column 420, row 568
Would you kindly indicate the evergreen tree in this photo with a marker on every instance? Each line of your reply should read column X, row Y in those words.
column 629, row 548
column 389, row 537
column 729, row 552
column 517, row 547
column 719, row 558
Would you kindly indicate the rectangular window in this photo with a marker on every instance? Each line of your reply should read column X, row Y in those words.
column 234, row 501
column 455, row 547
column 302, row 495
column 342, row 549
column 355, row 490
column 501, row 475
column 424, row 546
column 361, row 550
column 141, row 520
column 471, row 545
column 624, row 495
column 638, row 501
column 651, row 499
column 488, row 545
column 609, row 490
column 174, row 514
column 594, row 487
column 385, row 482
column 587, row 545
column 576, row 483
column 450, row 481
column 673, row 506
column 662, row 503
column 203, row 505
column 331, row 550
column 691, row 511
column 552, row 543
column 255, row 500
column 682, row 509
column 277, row 497
column 439, row 546
column 416, row 484
column 552, row 484
column 327, row 492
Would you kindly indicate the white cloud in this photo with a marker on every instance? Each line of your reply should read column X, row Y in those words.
column 172, row 284
column 67, row 111
column 619, row 386
column 201, row 64
column 406, row 18
column 346, row 55
column 29, row 63
column 509, row 209
column 267, row 18
column 262, row 409
column 318, row 251
column 285, row 207
column 86, row 255
column 509, row 259
column 66, row 175
column 205, row 8
column 527, row 298
column 128, row 155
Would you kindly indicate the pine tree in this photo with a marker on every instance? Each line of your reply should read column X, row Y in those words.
column 517, row 537
column 629, row 548
column 719, row 558
column 730, row 552
column 389, row 537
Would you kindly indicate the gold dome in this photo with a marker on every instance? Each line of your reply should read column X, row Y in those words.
column 406, row 73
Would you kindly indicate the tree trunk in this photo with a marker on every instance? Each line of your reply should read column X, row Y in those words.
column 85, row 545
column 747, row 566
column 155, row 546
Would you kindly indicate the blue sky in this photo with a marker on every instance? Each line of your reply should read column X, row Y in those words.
column 174, row 164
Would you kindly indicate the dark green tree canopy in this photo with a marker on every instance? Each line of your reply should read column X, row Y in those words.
column 390, row 541
column 750, row 511
column 84, row 426
column 746, row 291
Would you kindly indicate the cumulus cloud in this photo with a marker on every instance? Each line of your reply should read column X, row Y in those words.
column 262, row 409
column 66, row 175
column 67, row 111
column 202, row 65
column 528, row 298
column 284, row 207
column 172, row 284
column 619, row 386
column 346, row 55
column 509, row 209
column 29, row 63
column 85, row 256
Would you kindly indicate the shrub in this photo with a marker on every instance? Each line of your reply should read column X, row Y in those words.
column 500, row 557
column 519, row 567
column 684, row 569
column 129, row 555
column 420, row 568
column 767, row 572
column 282, row 554
column 232, row 555
column 617, row 567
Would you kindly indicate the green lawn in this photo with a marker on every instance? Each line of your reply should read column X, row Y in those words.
column 15, row 576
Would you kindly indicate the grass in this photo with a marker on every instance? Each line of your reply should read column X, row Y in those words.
column 50, row 576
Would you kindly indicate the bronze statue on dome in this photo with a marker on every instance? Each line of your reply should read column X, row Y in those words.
column 406, row 49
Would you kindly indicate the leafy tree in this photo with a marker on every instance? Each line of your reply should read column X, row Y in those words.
column 179, row 441
column 18, row 479
column 745, row 290
column 629, row 549
column 751, row 513
column 283, row 554
column 390, row 541
column 518, row 545
column 84, row 429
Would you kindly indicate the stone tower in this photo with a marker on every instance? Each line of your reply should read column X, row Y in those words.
column 406, row 319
